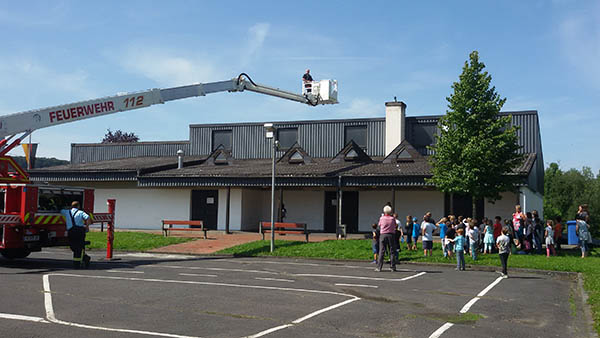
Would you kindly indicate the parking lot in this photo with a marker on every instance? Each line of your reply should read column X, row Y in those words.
column 186, row 296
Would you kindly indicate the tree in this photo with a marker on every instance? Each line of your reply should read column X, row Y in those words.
column 476, row 150
column 119, row 137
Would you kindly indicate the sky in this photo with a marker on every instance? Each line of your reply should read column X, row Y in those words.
column 542, row 55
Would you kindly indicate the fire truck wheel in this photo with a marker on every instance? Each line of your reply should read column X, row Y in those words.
column 14, row 253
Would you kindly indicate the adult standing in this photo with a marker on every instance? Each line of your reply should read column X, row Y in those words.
column 518, row 221
column 427, row 228
column 408, row 229
column 387, row 226
column 77, row 227
column 583, row 231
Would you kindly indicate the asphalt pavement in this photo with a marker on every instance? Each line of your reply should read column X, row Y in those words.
column 189, row 296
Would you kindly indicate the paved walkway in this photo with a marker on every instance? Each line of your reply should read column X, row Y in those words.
column 219, row 240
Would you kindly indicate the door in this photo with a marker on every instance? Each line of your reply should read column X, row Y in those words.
column 330, row 211
column 463, row 206
column 205, row 206
column 350, row 211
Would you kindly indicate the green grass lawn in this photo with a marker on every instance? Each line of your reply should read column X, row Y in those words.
column 132, row 241
column 567, row 260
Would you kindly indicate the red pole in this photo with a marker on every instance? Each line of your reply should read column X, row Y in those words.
column 110, row 229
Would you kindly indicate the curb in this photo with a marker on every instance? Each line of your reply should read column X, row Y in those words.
column 587, row 313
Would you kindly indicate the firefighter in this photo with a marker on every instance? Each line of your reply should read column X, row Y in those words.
column 80, row 224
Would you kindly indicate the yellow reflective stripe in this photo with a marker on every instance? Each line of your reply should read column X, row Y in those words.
column 56, row 219
column 47, row 219
column 38, row 219
column 26, row 218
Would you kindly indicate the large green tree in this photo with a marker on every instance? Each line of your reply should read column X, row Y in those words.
column 476, row 150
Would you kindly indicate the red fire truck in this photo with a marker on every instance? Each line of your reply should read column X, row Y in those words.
column 30, row 216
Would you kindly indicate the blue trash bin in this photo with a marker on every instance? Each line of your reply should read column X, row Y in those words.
column 573, row 239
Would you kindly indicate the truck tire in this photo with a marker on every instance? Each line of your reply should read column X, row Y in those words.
column 14, row 253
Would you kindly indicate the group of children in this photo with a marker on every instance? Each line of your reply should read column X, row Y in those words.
column 460, row 236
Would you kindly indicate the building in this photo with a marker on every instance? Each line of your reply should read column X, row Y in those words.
column 225, row 179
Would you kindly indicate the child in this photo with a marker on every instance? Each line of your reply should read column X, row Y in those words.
column 375, row 243
column 398, row 235
column 415, row 233
column 408, row 229
column 558, row 229
column 488, row 240
column 459, row 248
column 450, row 234
column 443, row 228
column 473, row 239
column 503, row 245
column 549, row 234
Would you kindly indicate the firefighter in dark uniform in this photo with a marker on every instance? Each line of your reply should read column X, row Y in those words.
column 80, row 222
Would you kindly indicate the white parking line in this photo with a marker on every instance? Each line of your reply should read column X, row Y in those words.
column 276, row 279
column 21, row 317
column 51, row 317
column 308, row 264
column 359, row 277
column 211, row 269
column 357, row 285
column 466, row 307
column 124, row 271
column 196, row 275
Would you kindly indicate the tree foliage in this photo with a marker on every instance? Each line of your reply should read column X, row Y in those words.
column 475, row 148
column 40, row 162
column 564, row 191
column 119, row 137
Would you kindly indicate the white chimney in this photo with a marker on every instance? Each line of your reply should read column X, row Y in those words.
column 179, row 159
column 395, row 114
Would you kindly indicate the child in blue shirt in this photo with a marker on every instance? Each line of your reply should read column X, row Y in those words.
column 443, row 229
column 415, row 233
column 459, row 248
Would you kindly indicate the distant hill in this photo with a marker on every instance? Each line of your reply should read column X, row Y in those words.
column 40, row 162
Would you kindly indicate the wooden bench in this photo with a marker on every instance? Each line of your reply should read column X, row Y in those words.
column 284, row 228
column 167, row 225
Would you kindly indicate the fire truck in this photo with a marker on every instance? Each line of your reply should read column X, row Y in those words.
column 30, row 217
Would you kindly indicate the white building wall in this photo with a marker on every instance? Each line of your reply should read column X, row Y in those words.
column 305, row 206
column 370, row 207
column 144, row 208
column 503, row 207
column 531, row 200
column 252, row 208
column 417, row 202
column 235, row 209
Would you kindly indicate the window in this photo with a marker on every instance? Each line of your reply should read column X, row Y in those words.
column 358, row 134
column 221, row 137
column 296, row 158
column 287, row 137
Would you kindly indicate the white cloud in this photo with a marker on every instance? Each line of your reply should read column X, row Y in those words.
column 361, row 107
column 169, row 67
column 580, row 41
column 257, row 35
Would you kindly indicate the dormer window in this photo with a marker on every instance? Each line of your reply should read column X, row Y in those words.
column 221, row 158
column 296, row 158
column 352, row 155
column 404, row 156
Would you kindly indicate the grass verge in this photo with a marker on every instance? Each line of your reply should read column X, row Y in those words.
column 567, row 260
column 132, row 241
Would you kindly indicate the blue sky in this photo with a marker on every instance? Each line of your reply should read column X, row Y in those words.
column 542, row 55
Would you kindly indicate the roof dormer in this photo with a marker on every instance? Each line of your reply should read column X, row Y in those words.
column 351, row 152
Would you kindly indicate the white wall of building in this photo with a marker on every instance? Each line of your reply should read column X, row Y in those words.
column 503, row 207
column 235, row 209
column 305, row 206
column 252, row 208
column 370, row 207
column 144, row 208
column 417, row 202
column 531, row 200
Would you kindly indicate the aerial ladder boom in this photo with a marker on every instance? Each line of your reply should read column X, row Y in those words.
column 28, row 121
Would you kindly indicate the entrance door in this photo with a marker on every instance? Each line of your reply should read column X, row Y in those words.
column 350, row 211
column 205, row 206
column 463, row 206
column 330, row 211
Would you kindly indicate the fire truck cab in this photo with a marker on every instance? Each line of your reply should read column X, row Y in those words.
column 30, row 217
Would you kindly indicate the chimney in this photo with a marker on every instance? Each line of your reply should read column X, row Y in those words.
column 179, row 159
column 395, row 114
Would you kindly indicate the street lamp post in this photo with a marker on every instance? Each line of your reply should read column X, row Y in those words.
column 270, row 134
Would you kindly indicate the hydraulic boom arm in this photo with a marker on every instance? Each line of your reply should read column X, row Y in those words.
column 28, row 121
